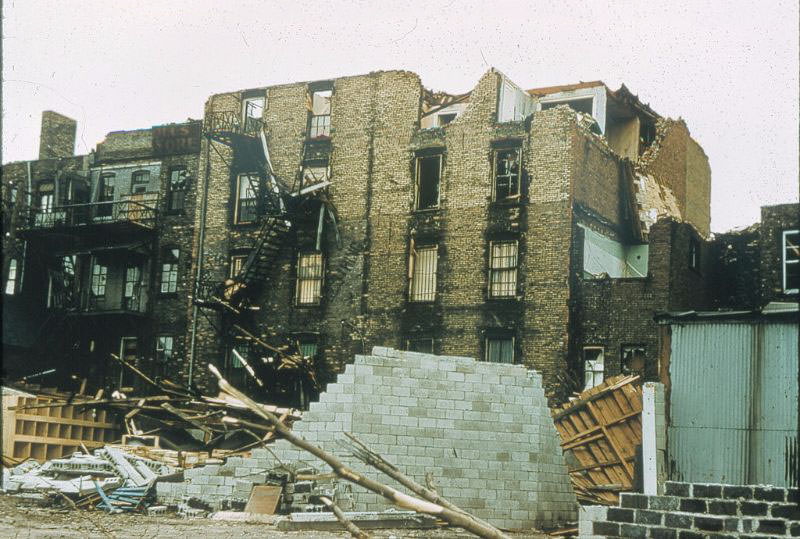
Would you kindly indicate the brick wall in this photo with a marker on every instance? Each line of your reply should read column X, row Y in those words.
column 688, row 510
column 774, row 220
column 57, row 136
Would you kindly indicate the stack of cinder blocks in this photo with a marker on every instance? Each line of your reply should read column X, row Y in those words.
column 483, row 430
column 217, row 486
column 694, row 511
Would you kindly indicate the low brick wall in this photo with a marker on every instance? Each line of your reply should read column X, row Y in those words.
column 692, row 510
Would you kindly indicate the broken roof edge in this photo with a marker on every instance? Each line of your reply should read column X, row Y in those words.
column 781, row 309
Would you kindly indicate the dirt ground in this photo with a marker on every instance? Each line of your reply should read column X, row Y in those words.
column 22, row 519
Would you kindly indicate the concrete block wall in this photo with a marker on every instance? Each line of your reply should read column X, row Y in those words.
column 482, row 429
column 693, row 510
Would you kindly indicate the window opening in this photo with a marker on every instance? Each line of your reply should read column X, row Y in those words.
column 237, row 264
column 582, row 104
column 632, row 359
column 423, row 273
column 105, row 194
column 694, row 254
column 61, row 284
column 444, row 119
column 46, row 195
column 253, row 112
column 503, row 269
column 99, row 277
column 500, row 349
column 592, row 366
column 314, row 174
column 429, row 170
column 424, row 346
column 246, row 198
column 506, row 174
column 128, row 350
column 176, row 190
column 308, row 348
column 133, row 284
column 791, row 261
column 164, row 348
column 140, row 181
column 309, row 278
column 320, row 124
column 11, row 280
column 169, row 271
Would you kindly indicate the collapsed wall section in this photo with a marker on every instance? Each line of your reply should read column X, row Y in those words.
column 483, row 430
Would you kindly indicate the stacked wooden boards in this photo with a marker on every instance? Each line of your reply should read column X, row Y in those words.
column 31, row 429
column 599, row 433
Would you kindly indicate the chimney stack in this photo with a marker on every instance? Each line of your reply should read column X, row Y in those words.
column 57, row 137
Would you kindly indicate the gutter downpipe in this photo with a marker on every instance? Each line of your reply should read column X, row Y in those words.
column 201, row 242
column 29, row 203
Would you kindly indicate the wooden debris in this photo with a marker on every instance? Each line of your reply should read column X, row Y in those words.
column 264, row 499
column 599, row 433
column 354, row 530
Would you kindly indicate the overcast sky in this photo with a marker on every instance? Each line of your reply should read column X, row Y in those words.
column 730, row 69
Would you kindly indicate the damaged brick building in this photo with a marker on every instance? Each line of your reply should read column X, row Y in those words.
column 96, row 254
column 541, row 227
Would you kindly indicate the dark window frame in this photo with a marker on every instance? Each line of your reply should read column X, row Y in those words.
column 513, row 195
column 176, row 198
column 502, row 338
column 418, row 185
column 246, row 204
column 302, row 279
column 785, row 248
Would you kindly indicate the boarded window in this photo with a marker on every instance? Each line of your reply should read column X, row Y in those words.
column 246, row 193
column 140, row 181
column 423, row 273
column 309, row 278
column 11, row 280
column 507, row 173
column 320, row 122
column 429, row 170
column 791, row 261
column 164, row 348
column 593, row 366
column 500, row 349
column 633, row 359
column 176, row 190
column 503, row 269
column 169, row 271
column 424, row 346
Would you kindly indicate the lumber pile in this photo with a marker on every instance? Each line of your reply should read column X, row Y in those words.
column 600, row 431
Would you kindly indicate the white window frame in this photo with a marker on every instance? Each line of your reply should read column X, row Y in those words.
column 98, row 280
column 169, row 271
column 322, row 110
column 510, row 290
column 11, row 279
column 488, row 343
column 308, row 289
column 253, row 107
column 423, row 277
column 237, row 264
column 785, row 262
column 590, row 367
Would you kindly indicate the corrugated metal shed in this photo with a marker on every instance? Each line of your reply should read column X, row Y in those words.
column 734, row 398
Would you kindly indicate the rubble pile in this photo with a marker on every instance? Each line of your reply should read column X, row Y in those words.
column 86, row 478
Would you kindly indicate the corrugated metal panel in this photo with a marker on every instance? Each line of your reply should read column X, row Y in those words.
column 710, row 373
column 733, row 404
column 775, row 414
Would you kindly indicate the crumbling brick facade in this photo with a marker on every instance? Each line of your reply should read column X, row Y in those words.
column 89, row 237
column 569, row 176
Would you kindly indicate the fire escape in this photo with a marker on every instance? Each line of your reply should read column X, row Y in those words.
column 277, row 206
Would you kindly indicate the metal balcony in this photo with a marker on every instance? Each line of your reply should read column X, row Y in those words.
column 126, row 215
column 225, row 126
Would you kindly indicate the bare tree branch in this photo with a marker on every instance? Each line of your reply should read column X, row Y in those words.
column 460, row 519
column 354, row 530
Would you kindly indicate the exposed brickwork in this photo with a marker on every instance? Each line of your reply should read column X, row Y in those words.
column 57, row 137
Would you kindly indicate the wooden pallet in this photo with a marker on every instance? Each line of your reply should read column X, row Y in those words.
column 599, row 434
column 45, row 433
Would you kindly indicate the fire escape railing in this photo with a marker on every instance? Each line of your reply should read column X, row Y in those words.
column 126, row 210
